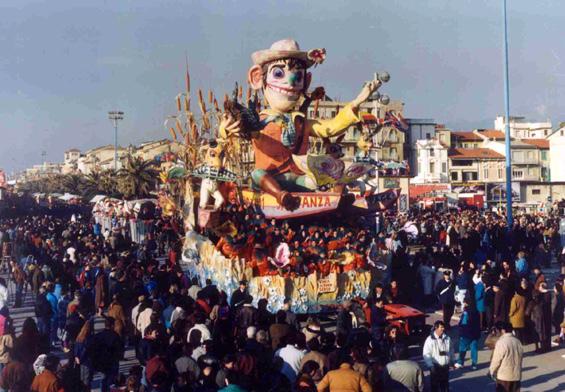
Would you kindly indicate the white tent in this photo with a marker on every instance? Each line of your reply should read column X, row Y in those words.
column 97, row 198
column 69, row 196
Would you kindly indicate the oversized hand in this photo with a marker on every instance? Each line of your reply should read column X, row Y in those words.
column 228, row 126
column 318, row 93
column 368, row 89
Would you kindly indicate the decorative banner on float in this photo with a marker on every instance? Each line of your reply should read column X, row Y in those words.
column 310, row 204
column 327, row 284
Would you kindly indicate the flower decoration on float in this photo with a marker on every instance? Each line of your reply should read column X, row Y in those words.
column 317, row 56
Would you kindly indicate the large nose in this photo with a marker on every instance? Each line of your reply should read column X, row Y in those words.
column 293, row 78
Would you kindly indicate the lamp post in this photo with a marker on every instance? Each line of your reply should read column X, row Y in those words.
column 509, row 219
column 115, row 116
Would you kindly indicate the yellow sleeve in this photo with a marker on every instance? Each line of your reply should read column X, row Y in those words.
column 334, row 126
column 324, row 384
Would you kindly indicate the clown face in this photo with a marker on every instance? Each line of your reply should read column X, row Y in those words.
column 285, row 82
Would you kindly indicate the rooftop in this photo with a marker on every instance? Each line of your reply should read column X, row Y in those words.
column 474, row 153
column 491, row 133
column 467, row 135
column 539, row 143
column 479, row 135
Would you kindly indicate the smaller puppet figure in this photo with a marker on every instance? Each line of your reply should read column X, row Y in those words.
column 212, row 172
column 209, row 187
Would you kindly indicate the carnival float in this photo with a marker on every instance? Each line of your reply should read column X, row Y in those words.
column 252, row 159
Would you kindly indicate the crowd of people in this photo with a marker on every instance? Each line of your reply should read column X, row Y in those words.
column 97, row 294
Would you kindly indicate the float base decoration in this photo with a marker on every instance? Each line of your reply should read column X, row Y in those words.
column 310, row 203
column 201, row 259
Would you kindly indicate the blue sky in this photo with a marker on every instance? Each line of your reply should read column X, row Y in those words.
column 64, row 64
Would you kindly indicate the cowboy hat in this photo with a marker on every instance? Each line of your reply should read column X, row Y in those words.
column 288, row 48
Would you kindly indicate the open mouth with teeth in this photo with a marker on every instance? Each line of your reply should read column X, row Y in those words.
column 290, row 92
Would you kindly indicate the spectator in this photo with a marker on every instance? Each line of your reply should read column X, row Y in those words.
column 47, row 380
column 517, row 314
column 506, row 362
column 438, row 355
column 402, row 374
column 445, row 290
column 291, row 356
column 469, row 334
column 344, row 379
column 106, row 350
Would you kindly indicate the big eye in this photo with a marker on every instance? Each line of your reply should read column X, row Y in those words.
column 278, row 73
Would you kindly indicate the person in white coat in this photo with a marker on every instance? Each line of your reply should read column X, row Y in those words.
column 438, row 356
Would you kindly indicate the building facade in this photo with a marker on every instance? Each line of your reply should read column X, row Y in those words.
column 475, row 166
column 432, row 164
column 520, row 128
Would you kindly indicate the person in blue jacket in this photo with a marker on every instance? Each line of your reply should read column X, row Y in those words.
column 469, row 334
column 480, row 297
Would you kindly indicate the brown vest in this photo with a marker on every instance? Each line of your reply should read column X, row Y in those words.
column 271, row 155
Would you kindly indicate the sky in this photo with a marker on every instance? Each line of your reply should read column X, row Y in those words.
column 64, row 64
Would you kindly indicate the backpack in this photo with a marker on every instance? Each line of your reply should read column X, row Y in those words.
column 43, row 307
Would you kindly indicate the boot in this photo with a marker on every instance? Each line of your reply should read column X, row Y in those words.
column 269, row 185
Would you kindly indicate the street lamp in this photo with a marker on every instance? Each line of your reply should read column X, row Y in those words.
column 115, row 116
column 507, row 125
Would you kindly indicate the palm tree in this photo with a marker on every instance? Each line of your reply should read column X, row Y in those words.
column 92, row 183
column 73, row 183
column 109, row 183
column 137, row 177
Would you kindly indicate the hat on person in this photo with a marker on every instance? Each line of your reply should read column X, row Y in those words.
column 288, row 48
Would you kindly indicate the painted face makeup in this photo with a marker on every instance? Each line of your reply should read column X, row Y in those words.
column 284, row 85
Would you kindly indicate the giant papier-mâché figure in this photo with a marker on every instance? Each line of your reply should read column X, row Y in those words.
column 280, row 72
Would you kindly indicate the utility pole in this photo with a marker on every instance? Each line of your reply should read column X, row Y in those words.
column 115, row 116
column 509, row 219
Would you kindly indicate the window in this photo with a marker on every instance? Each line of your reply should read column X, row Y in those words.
column 485, row 173
column 432, row 167
column 470, row 176
column 530, row 156
column 536, row 191
column 419, row 167
column 499, row 172
column 462, row 162
column 531, row 171
column 393, row 153
column 432, row 152
column 544, row 155
column 444, row 167
column 518, row 156
column 428, row 136
column 517, row 174
column 454, row 176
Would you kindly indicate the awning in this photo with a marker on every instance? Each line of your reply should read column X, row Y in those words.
column 97, row 198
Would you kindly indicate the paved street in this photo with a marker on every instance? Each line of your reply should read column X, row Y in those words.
column 541, row 372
